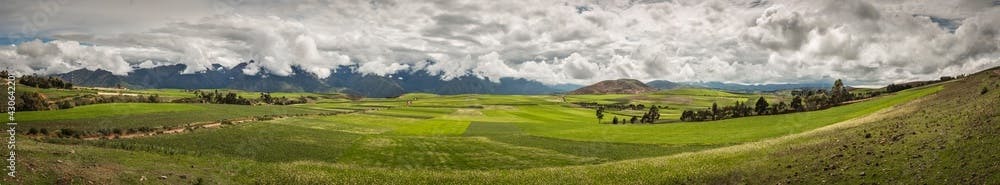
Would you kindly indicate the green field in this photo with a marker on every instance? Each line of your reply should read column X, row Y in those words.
column 136, row 115
column 903, row 137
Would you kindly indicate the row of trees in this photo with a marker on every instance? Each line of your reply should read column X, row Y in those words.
column 616, row 106
column 217, row 97
column 803, row 101
column 899, row 87
column 44, row 82
column 626, row 106
column 649, row 117
column 268, row 99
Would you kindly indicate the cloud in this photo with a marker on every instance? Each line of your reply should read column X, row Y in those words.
column 491, row 67
column 776, row 41
column 37, row 57
column 578, row 67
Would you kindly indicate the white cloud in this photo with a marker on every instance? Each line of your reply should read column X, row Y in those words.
column 37, row 57
column 491, row 67
column 549, row 41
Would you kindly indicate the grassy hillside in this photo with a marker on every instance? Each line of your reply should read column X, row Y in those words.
column 938, row 134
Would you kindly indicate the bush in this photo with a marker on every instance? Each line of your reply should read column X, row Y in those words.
column 32, row 101
column 104, row 131
column 66, row 104
column 66, row 132
column 984, row 91
column 32, row 131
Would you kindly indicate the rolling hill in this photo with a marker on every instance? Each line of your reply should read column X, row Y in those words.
column 620, row 86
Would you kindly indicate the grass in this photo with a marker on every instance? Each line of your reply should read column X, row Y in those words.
column 152, row 115
column 260, row 142
column 606, row 151
column 939, row 134
column 580, row 125
column 54, row 94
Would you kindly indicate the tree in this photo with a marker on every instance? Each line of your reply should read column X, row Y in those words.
column 736, row 109
column 816, row 101
column 266, row 98
column 600, row 114
column 715, row 111
column 634, row 119
column 614, row 120
column 761, row 106
column 154, row 98
column 31, row 101
column 687, row 115
column 797, row 104
column 652, row 115
column 838, row 93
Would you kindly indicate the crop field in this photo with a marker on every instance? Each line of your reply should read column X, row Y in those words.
column 504, row 139
column 135, row 115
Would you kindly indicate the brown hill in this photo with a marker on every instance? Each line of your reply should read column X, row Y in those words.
column 620, row 86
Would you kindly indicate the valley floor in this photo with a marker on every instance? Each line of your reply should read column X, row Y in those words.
column 940, row 134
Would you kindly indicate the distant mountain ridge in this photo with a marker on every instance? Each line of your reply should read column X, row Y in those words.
column 664, row 84
column 620, row 86
column 732, row 87
column 345, row 79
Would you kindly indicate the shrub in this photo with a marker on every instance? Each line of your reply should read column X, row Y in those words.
column 103, row 131
column 67, row 132
column 66, row 104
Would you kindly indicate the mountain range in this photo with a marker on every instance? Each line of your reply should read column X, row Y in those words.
column 347, row 80
column 344, row 80
column 733, row 87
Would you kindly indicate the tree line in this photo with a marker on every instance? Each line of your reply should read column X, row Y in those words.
column 616, row 106
column 42, row 82
column 216, row 97
column 649, row 117
column 802, row 101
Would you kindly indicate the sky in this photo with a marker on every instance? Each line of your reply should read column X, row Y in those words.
column 553, row 42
